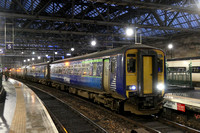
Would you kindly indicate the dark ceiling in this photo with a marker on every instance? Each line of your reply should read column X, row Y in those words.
column 46, row 26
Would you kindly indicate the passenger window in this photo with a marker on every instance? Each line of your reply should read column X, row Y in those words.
column 160, row 65
column 131, row 65
column 79, row 69
column 196, row 69
column 94, row 69
column 85, row 68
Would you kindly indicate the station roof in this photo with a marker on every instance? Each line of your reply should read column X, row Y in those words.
column 46, row 26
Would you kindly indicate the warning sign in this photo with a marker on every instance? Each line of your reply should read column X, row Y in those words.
column 181, row 107
column 175, row 106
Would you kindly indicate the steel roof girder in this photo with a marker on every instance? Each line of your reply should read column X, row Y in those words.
column 14, row 15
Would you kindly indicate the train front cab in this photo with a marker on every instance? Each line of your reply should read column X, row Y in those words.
column 144, row 70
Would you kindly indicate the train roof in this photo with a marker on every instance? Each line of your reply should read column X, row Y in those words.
column 39, row 64
column 185, row 58
column 120, row 50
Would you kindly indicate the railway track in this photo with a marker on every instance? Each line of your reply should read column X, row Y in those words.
column 68, row 119
column 132, row 123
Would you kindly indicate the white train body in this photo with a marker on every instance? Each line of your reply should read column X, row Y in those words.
column 183, row 65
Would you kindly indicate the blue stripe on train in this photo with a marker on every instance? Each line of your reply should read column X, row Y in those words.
column 36, row 75
column 92, row 82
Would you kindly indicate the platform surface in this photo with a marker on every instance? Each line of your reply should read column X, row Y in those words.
column 23, row 111
column 187, row 97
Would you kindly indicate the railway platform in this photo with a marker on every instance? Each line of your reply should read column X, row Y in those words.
column 183, row 100
column 22, row 111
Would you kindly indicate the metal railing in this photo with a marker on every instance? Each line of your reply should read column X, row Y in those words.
column 181, row 78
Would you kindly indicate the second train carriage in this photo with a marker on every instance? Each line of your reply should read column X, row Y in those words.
column 38, row 72
column 130, row 77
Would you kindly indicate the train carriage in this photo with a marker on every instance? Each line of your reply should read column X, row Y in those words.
column 38, row 72
column 131, row 77
column 183, row 65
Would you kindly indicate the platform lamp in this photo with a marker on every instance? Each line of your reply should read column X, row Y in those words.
column 170, row 46
column 72, row 49
column 33, row 59
column 39, row 58
column 25, row 62
column 93, row 42
column 129, row 31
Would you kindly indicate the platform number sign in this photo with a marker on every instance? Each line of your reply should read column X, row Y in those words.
column 9, row 46
column 2, row 51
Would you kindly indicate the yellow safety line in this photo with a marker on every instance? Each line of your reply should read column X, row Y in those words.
column 19, row 119
column 65, row 130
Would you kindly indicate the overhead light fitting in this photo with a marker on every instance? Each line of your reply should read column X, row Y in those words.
column 72, row 49
column 170, row 46
column 129, row 31
column 93, row 43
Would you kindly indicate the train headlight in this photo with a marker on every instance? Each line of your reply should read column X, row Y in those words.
column 132, row 87
column 160, row 86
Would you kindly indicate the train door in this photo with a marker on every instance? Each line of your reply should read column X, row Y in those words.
column 45, row 71
column 147, row 75
column 106, row 75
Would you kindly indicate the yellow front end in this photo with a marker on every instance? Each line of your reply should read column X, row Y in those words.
column 144, row 80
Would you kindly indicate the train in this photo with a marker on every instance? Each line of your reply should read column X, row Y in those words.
column 184, row 65
column 129, row 78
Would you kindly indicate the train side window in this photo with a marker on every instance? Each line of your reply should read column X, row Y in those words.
column 176, row 69
column 79, row 69
column 75, row 70
column 90, row 69
column 94, row 69
column 160, row 65
column 60, row 70
column 196, row 69
column 131, row 65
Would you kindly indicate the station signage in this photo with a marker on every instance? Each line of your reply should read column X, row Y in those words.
column 2, row 51
column 175, row 106
column 9, row 46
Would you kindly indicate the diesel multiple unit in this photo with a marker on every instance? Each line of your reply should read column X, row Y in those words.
column 129, row 78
